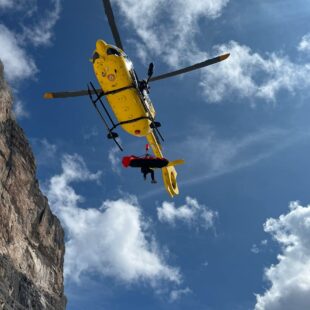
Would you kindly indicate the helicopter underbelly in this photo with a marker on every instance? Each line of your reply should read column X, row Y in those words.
column 127, row 106
column 112, row 74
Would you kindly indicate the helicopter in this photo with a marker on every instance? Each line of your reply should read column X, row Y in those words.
column 128, row 96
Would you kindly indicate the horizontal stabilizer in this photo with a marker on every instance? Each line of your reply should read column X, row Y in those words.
column 176, row 162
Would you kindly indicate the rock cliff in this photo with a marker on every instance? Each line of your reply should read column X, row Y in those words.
column 31, row 237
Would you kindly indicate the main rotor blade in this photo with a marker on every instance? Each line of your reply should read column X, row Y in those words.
column 191, row 68
column 68, row 94
column 111, row 20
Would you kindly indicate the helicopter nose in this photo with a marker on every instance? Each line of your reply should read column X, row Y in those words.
column 101, row 47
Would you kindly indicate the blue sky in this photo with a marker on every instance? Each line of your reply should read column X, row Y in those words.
column 237, row 236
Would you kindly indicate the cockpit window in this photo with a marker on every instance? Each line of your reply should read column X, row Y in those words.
column 113, row 51
column 95, row 56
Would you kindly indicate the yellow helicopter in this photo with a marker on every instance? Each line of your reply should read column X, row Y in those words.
column 128, row 96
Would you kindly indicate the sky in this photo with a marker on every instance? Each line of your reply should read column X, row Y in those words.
column 237, row 236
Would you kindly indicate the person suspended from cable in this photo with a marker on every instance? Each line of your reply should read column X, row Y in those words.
column 146, row 169
column 146, row 163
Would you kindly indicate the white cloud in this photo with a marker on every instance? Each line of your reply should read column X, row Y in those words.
column 27, row 6
column 48, row 148
column 250, row 75
column 19, row 110
column 258, row 248
column 18, row 64
column 37, row 26
column 6, row 4
column 205, row 264
column 113, row 240
column 41, row 32
column 225, row 155
column 304, row 44
column 45, row 152
column 115, row 160
column 177, row 294
column 255, row 249
column 181, row 24
column 246, row 73
column 191, row 213
column 290, row 278
column 93, row 132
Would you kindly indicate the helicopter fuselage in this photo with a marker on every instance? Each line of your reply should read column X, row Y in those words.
column 131, row 106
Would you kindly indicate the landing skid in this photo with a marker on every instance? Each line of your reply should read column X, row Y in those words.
column 96, row 96
column 111, row 134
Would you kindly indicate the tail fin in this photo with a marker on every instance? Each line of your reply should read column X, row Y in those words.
column 169, row 173
column 170, row 180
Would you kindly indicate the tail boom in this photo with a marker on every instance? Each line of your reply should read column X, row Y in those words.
column 169, row 173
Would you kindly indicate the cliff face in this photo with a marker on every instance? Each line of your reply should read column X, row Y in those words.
column 31, row 237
